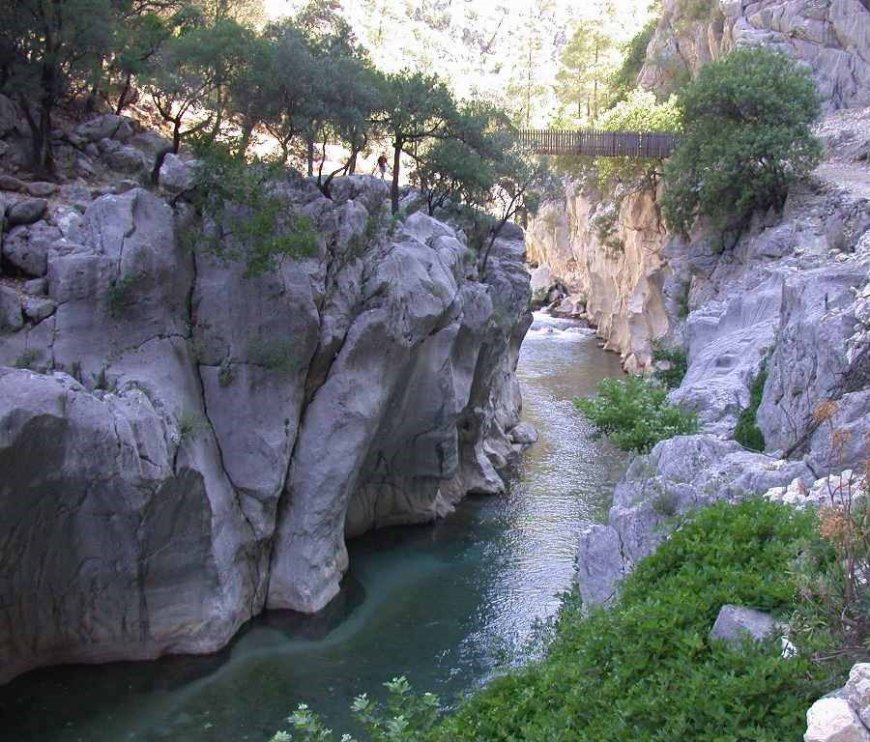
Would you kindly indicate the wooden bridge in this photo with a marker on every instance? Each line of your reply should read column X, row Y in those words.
column 594, row 143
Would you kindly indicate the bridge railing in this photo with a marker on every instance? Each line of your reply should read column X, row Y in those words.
column 595, row 143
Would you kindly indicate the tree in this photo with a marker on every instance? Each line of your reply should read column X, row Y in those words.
column 588, row 64
column 417, row 108
column 49, row 44
column 747, row 139
column 192, row 74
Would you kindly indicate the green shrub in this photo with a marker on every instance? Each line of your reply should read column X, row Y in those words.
column 28, row 359
column 676, row 358
column 746, row 138
column 407, row 717
column 635, row 414
column 747, row 433
column 646, row 669
column 275, row 354
column 121, row 294
column 250, row 221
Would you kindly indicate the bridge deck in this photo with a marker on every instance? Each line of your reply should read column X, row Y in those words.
column 593, row 143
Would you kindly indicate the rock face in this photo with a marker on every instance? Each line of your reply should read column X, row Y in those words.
column 844, row 716
column 607, row 251
column 182, row 444
column 793, row 297
column 831, row 38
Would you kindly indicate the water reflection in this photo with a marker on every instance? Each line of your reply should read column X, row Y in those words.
column 442, row 604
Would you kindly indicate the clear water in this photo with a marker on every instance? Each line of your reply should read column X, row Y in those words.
column 446, row 605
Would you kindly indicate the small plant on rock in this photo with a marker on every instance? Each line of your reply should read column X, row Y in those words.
column 121, row 294
column 747, row 433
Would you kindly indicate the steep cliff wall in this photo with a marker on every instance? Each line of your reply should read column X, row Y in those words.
column 607, row 252
column 793, row 296
column 182, row 444
column 832, row 38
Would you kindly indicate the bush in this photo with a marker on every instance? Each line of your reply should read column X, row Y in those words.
column 747, row 138
column 747, row 433
column 677, row 362
column 635, row 413
column 647, row 670
column 250, row 221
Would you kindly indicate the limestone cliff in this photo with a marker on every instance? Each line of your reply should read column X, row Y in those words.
column 607, row 250
column 832, row 38
column 182, row 444
column 792, row 296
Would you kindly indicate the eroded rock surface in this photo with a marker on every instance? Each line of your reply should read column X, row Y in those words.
column 182, row 444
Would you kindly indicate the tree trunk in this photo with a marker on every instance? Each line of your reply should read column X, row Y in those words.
column 394, row 187
column 310, row 157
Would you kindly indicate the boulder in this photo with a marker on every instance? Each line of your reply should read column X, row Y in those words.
column 834, row 720
column 26, row 212
column 26, row 247
column 11, row 118
column 123, row 158
column 524, row 434
column 11, row 183
column 176, row 175
column 41, row 189
column 104, row 126
column 38, row 308
column 735, row 623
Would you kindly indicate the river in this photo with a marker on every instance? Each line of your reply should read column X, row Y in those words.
column 446, row 605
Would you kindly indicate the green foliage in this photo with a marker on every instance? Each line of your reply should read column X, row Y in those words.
column 589, row 61
column 697, row 11
column 28, row 359
column 646, row 669
column 248, row 219
column 275, row 354
column 191, row 425
column 747, row 433
column 634, row 57
column 747, row 138
column 635, row 414
column 406, row 717
column 121, row 294
column 46, row 48
column 676, row 359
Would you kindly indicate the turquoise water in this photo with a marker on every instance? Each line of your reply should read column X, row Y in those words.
column 446, row 605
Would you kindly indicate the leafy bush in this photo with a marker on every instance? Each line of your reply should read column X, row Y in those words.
column 120, row 295
column 677, row 362
column 647, row 670
column 747, row 138
column 635, row 413
column 406, row 717
column 250, row 221
column 275, row 354
column 747, row 433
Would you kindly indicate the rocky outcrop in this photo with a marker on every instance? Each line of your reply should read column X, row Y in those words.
column 843, row 716
column 607, row 252
column 793, row 297
column 183, row 444
column 831, row 38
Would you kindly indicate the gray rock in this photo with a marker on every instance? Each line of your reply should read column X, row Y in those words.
column 11, row 183
column 525, row 434
column 26, row 212
column 231, row 431
column 600, row 564
column 833, row 720
column 10, row 310
column 176, row 175
column 735, row 623
column 37, row 309
column 123, row 158
column 857, row 691
column 104, row 126
column 677, row 476
column 41, row 189
column 26, row 247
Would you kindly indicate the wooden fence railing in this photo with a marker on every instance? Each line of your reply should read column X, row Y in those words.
column 593, row 143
